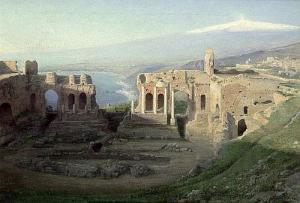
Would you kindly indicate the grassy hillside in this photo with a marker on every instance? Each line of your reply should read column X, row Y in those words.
column 258, row 167
column 254, row 167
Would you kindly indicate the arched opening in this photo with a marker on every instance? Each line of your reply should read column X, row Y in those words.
column 160, row 103
column 6, row 116
column 181, row 105
column 203, row 102
column 82, row 101
column 242, row 127
column 245, row 109
column 181, row 101
column 32, row 102
column 51, row 100
column 149, row 102
column 71, row 101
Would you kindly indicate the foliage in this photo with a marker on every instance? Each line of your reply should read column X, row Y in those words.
column 119, row 107
column 180, row 106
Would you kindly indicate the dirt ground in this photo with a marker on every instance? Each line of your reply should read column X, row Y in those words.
column 168, row 165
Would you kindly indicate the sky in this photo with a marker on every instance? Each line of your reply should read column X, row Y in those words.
column 42, row 25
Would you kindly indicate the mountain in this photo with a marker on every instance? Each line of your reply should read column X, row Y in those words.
column 292, row 50
column 233, row 38
column 243, row 25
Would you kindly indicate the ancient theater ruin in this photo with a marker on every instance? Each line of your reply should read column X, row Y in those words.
column 181, row 118
column 225, row 105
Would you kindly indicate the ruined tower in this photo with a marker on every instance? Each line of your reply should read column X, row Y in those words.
column 31, row 68
column 209, row 61
column 51, row 78
column 72, row 80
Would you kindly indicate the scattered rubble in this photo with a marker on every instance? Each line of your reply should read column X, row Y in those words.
column 174, row 147
column 139, row 170
column 195, row 171
column 83, row 170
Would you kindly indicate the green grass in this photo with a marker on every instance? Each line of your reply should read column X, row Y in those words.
column 119, row 107
column 180, row 106
column 245, row 167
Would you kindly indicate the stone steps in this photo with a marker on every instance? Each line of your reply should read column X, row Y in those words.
column 68, row 116
column 75, row 131
column 149, row 118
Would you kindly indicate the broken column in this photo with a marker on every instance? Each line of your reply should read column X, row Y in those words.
column 132, row 107
column 165, row 101
column 143, row 99
column 172, row 121
column 51, row 78
column 209, row 62
column 154, row 100
column 72, row 79
column 74, row 108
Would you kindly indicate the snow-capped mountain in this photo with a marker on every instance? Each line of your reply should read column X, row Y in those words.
column 243, row 25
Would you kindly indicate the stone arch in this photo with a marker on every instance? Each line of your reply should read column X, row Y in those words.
column 71, row 101
column 51, row 98
column 246, row 110
column 160, row 103
column 6, row 116
column 203, row 102
column 149, row 102
column 242, row 127
column 32, row 102
column 82, row 100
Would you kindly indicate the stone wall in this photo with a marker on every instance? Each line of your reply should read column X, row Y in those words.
column 217, row 102
column 20, row 92
column 14, row 91
column 8, row 67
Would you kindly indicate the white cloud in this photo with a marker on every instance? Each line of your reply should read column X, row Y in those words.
column 243, row 25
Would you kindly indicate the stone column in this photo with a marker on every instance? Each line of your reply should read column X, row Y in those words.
column 63, row 108
column 132, row 107
column 154, row 100
column 143, row 99
column 88, row 102
column 62, row 111
column 165, row 102
column 74, row 108
column 172, row 121
column 76, row 103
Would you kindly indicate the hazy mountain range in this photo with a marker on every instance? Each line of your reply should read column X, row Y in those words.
column 291, row 50
column 229, row 39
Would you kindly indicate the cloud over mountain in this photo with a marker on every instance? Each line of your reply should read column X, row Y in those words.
column 243, row 25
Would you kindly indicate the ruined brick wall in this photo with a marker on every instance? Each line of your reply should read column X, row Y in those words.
column 73, row 87
column 253, row 93
column 8, row 67
column 14, row 91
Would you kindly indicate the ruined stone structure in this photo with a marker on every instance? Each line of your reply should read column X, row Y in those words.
column 225, row 105
column 27, row 90
column 222, row 103
column 8, row 67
